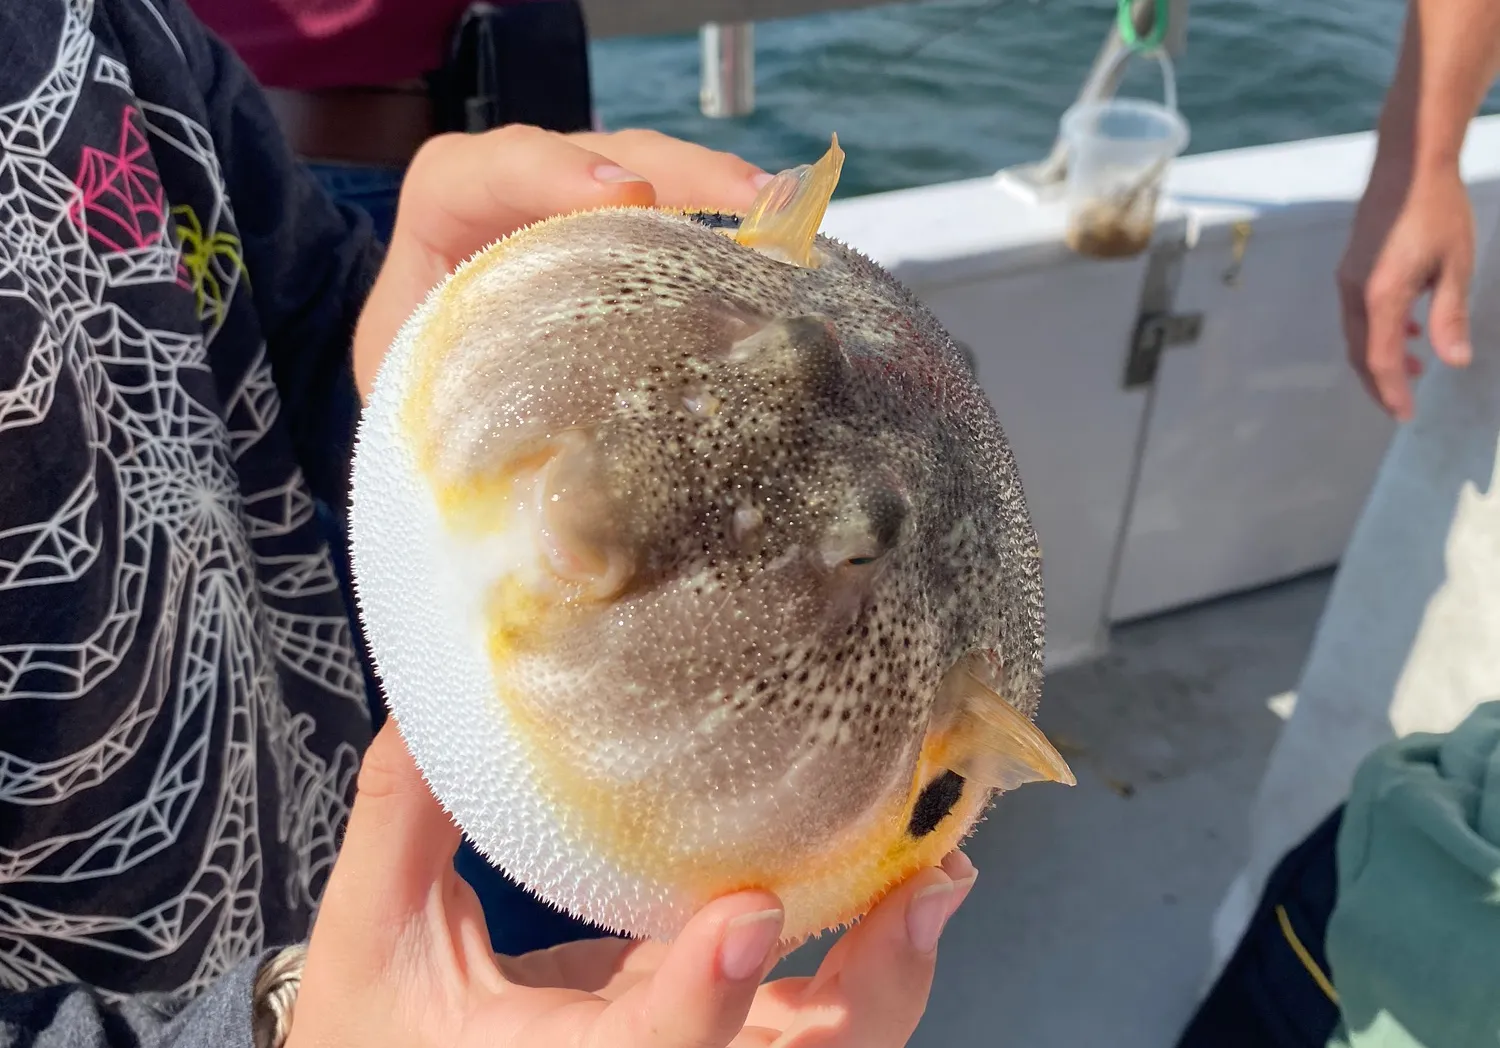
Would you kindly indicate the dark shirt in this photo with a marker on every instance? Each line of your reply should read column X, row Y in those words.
column 181, row 709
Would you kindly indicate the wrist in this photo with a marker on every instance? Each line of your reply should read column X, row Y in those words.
column 1408, row 153
column 1435, row 166
column 1425, row 117
column 1438, row 141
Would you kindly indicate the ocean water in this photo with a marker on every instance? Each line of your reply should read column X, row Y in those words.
column 945, row 89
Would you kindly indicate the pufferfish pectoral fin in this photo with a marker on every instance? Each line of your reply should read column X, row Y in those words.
column 993, row 744
column 784, row 220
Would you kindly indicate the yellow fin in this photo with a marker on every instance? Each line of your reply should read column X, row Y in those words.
column 785, row 218
column 992, row 744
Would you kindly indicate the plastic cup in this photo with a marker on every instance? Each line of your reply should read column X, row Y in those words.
column 1118, row 154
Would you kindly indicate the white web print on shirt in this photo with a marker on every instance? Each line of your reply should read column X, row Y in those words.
column 209, row 629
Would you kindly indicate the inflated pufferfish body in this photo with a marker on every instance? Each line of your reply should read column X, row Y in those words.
column 692, row 558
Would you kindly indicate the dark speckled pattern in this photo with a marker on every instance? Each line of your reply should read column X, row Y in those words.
column 754, row 432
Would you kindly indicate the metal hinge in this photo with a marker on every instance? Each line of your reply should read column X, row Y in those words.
column 1155, row 332
column 1157, row 326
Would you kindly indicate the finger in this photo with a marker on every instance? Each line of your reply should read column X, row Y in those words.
column 701, row 993
column 398, row 847
column 1388, row 305
column 779, row 1003
column 586, row 964
column 642, row 959
column 884, row 966
column 1356, row 327
column 398, row 835
column 393, row 871
column 1448, row 315
column 684, row 175
column 463, row 192
column 602, row 966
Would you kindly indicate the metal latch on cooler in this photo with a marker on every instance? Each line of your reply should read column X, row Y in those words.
column 1157, row 326
column 1155, row 332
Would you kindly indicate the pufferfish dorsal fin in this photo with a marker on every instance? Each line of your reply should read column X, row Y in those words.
column 992, row 744
column 784, row 220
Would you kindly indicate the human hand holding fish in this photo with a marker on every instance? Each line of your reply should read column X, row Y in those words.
column 400, row 956
column 701, row 585
column 463, row 191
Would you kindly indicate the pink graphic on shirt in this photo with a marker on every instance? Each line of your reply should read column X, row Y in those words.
column 120, row 201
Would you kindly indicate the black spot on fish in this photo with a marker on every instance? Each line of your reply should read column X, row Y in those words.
column 934, row 803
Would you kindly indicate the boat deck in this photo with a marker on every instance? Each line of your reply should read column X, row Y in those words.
column 1089, row 923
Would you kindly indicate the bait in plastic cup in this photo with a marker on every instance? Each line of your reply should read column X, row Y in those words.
column 1118, row 154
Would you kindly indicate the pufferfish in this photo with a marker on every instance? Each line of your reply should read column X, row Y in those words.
column 693, row 558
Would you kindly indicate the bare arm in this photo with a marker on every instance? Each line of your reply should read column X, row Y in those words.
column 1414, row 229
column 1450, row 54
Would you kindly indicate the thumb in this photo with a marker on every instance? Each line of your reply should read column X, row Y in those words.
column 1448, row 316
column 398, row 847
column 398, row 850
column 465, row 191
column 701, row 994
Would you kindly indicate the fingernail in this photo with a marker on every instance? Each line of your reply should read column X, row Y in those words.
column 1461, row 353
column 612, row 174
column 958, row 867
column 747, row 944
column 761, row 179
column 961, row 886
column 927, row 914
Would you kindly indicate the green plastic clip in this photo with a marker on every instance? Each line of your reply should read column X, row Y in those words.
column 1133, row 40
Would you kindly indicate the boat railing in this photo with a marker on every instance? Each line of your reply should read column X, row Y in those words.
column 609, row 18
column 726, row 31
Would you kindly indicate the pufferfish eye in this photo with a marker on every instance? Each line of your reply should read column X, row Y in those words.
column 857, row 557
column 857, row 550
column 867, row 534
